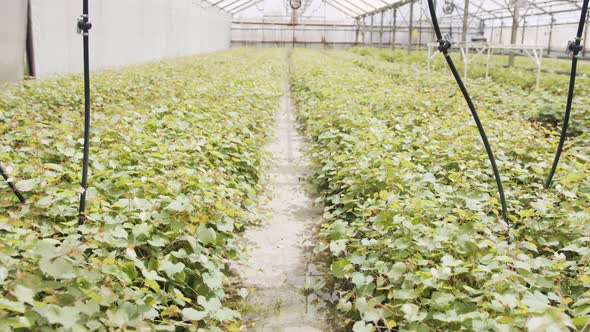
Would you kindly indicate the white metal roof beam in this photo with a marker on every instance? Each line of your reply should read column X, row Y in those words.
column 244, row 6
column 354, row 12
column 344, row 11
column 360, row 9
column 391, row 6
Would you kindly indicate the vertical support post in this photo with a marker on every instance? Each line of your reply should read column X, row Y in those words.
column 513, row 36
column 501, row 32
column 537, row 31
column 394, row 31
column 294, row 23
column 586, row 35
column 465, row 21
column 523, row 31
column 466, row 61
column 550, row 35
column 433, row 32
column 381, row 32
column 364, row 32
column 420, row 31
column 411, row 26
column 429, row 59
column 84, row 27
column 371, row 34
column 538, row 57
column 358, row 26
column 488, row 63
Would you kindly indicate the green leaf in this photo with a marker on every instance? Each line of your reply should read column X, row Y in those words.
column 341, row 267
column 206, row 235
column 193, row 315
column 24, row 294
column 59, row 268
column 362, row 327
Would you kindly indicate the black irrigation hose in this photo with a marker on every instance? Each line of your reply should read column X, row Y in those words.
column 574, row 47
column 444, row 46
column 20, row 196
column 83, row 27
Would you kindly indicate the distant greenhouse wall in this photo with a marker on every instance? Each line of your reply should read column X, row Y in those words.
column 124, row 32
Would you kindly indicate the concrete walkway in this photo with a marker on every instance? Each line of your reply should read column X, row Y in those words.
column 281, row 249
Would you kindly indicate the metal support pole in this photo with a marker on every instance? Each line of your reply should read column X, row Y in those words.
column 523, row 31
column 356, row 38
column 381, row 33
column 513, row 36
column 411, row 26
column 433, row 32
column 488, row 63
column 540, row 69
column 84, row 27
column 466, row 62
column 550, row 35
column 364, row 32
column 465, row 21
column 420, row 31
column 394, row 27
column 371, row 34
column 585, row 36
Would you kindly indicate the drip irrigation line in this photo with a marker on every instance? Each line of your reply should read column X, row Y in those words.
column 444, row 46
column 84, row 27
column 574, row 47
column 20, row 196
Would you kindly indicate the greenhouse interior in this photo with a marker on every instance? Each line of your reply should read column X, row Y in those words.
column 294, row 165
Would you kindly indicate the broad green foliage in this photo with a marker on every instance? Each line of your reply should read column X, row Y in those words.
column 413, row 233
column 546, row 106
column 176, row 158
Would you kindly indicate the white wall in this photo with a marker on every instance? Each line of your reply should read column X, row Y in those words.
column 124, row 32
column 13, row 26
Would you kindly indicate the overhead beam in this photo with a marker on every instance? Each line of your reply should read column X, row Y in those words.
column 334, row 5
column 245, row 6
column 396, row 4
column 348, row 8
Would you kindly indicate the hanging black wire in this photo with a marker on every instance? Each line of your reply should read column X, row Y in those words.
column 20, row 196
column 575, row 47
column 84, row 27
column 444, row 46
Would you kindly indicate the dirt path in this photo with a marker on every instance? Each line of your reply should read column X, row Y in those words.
column 281, row 249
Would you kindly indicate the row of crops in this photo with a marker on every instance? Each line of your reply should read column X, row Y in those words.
column 412, row 228
column 545, row 105
column 177, row 148
column 412, row 235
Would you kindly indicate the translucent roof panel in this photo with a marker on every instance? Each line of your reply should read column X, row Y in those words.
column 347, row 10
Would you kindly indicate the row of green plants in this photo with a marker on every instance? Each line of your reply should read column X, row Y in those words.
column 176, row 155
column 413, row 233
column 523, row 74
column 546, row 105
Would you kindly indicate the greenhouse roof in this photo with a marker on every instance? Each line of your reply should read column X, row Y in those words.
column 358, row 9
